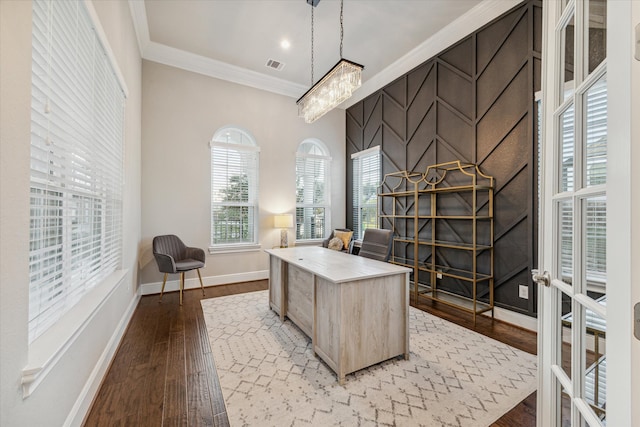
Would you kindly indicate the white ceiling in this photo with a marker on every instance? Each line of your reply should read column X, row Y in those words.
column 233, row 39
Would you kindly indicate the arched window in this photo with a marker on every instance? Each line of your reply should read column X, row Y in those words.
column 234, row 188
column 313, row 196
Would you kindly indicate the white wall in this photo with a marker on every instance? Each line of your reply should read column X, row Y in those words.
column 64, row 394
column 181, row 112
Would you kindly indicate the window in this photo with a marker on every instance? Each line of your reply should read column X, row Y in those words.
column 234, row 189
column 595, row 165
column 312, row 190
column 77, row 133
column 366, row 179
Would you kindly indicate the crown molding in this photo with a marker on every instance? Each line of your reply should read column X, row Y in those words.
column 474, row 19
column 210, row 67
column 140, row 24
column 168, row 55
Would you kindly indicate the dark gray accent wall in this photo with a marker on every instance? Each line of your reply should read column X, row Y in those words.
column 473, row 102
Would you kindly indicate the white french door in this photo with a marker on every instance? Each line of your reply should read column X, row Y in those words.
column 585, row 344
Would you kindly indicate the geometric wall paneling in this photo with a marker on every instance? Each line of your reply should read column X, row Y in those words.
column 511, row 258
column 506, row 111
column 422, row 103
column 393, row 116
column 370, row 104
column 505, row 152
column 416, row 80
column 420, row 153
column 508, row 200
column 456, row 89
column 510, row 57
column 455, row 133
column 397, row 91
column 372, row 135
column 460, row 56
column 473, row 102
column 493, row 35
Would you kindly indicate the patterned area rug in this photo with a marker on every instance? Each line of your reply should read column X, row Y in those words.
column 270, row 377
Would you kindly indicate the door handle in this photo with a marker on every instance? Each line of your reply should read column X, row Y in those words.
column 541, row 278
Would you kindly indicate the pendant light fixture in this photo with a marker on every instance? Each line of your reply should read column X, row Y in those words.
column 334, row 87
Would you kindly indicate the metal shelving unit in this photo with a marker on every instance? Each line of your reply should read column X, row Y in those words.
column 428, row 210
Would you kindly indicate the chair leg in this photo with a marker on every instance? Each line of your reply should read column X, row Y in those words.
column 200, row 277
column 181, row 285
column 164, row 281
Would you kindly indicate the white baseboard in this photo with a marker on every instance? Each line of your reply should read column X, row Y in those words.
column 515, row 318
column 194, row 283
column 80, row 409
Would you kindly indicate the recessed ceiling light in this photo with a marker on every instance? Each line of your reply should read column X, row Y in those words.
column 285, row 44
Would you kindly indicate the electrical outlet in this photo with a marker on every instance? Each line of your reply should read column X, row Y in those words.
column 439, row 275
column 523, row 291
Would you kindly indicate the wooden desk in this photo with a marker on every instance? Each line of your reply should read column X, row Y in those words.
column 354, row 309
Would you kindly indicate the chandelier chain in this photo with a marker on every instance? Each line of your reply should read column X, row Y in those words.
column 312, row 45
column 341, row 26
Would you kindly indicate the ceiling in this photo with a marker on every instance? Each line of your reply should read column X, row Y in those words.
column 234, row 39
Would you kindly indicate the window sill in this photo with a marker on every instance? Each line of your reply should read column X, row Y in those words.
column 52, row 345
column 309, row 242
column 230, row 249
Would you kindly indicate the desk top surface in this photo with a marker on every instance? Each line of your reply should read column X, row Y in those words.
column 335, row 266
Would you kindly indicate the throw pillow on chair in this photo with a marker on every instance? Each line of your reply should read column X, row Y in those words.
column 335, row 244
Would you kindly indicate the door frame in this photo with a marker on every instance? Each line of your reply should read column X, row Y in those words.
column 623, row 205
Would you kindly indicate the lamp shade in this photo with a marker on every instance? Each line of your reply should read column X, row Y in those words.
column 283, row 221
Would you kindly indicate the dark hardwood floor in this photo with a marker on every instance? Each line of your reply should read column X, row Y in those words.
column 163, row 373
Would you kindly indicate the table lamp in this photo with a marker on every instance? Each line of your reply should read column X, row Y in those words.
column 283, row 221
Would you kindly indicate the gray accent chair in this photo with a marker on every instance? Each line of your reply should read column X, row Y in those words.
column 376, row 244
column 348, row 249
column 173, row 257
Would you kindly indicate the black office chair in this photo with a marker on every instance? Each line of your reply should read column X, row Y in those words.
column 376, row 244
column 173, row 256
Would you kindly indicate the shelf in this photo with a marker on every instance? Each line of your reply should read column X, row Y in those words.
column 455, row 300
column 456, row 189
column 454, row 245
column 455, row 273
column 466, row 217
column 421, row 194
column 397, row 194
column 404, row 239
column 402, row 261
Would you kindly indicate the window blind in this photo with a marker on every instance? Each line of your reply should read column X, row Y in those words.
column 595, row 163
column 312, row 191
column 366, row 179
column 77, row 128
column 594, row 172
column 234, row 189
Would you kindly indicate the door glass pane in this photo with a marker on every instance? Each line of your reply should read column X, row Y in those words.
column 567, row 147
column 596, row 134
column 565, row 409
column 595, row 232
column 565, row 223
column 597, row 34
column 565, row 333
column 567, row 61
column 595, row 375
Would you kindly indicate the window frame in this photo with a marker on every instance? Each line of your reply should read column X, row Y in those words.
column 243, row 146
column 357, row 159
column 325, row 159
column 77, row 156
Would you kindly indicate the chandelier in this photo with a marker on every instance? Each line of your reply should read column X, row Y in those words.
column 334, row 87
